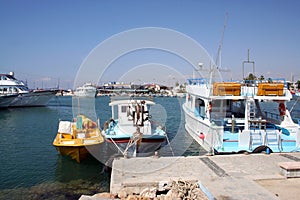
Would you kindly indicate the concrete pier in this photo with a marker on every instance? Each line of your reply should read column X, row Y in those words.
column 252, row 176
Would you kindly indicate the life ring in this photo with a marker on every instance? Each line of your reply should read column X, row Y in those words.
column 281, row 109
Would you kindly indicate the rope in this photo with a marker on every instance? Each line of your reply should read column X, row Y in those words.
column 117, row 146
column 136, row 136
column 129, row 144
column 168, row 141
column 166, row 135
column 294, row 104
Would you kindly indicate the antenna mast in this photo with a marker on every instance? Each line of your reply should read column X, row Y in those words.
column 248, row 62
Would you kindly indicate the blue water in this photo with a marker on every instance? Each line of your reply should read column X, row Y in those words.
column 31, row 168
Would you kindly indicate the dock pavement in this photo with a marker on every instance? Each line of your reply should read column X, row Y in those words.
column 237, row 176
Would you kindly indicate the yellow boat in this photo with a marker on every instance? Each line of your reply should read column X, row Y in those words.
column 75, row 138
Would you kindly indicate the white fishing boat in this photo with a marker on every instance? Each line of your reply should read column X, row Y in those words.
column 9, row 85
column 131, row 129
column 226, row 117
column 87, row 90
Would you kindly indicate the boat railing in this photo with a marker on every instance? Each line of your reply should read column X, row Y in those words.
column 269, row 87
column 233, row 125
column 269, row 80
column 258, row 123
column 249, row 83
column 254, row 83
column 130, row 98
column 197, row 81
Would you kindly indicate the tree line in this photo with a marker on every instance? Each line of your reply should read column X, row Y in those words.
column 252, row 77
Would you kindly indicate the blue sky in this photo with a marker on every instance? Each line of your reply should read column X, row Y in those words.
column 51, row 38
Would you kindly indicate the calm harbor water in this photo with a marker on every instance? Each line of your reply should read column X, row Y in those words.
column 31, row 168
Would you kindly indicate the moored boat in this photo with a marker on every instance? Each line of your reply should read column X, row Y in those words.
column 132, row 131
column 9, row 85
column 226, row 117
column 78, row 138
column 87, row 90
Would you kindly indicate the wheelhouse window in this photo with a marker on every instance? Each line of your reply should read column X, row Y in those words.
column 22, row 88
column 124, row 109
column 200, row 107
column 3, row 78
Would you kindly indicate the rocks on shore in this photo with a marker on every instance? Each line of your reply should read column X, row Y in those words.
column 176, row 190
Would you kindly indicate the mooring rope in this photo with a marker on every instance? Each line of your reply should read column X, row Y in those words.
column 294, row 104
column 117, row 146
column 168, row 141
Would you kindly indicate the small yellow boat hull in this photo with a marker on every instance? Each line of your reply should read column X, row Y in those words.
column 74, row 142
column 76, row 153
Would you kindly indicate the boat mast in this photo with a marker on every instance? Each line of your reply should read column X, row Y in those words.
column 213, row 69
column 218, row 59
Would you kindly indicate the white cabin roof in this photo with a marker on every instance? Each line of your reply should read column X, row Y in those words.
column 126, row 102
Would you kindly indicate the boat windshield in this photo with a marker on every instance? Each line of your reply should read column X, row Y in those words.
column 7, row 77
column 23, row 88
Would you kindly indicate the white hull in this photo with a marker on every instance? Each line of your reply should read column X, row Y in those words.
column 194, row 126
column 87, row 90
column 6, row 100
column 39, row 98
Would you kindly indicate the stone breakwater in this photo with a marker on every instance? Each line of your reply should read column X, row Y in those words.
column 179, row 189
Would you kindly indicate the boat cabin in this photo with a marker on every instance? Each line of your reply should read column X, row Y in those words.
column 128, row 115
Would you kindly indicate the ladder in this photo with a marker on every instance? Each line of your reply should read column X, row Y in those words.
column 255, row 138
column 273, row 139
column 251, row 109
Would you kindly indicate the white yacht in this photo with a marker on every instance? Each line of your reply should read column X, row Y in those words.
column 87, row 90
column 9, row 85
